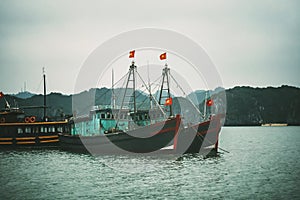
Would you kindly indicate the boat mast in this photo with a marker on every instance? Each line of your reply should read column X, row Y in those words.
column 45, row 103
column 133, row 68
column 131, row 78
column 165, row 80
column 113, row 91
column 149, row 86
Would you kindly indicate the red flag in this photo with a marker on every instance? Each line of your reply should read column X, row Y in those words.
column 1, row 95
column 131, row 54
column 209, row 102
column 168, row 101
column 163, row 56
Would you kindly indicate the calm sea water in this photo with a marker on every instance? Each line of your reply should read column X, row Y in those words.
column 263, row 163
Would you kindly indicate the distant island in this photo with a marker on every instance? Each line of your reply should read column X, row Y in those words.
column 256, row 106
column 246, row 106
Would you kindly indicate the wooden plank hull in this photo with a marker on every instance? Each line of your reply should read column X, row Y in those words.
column 29, row 135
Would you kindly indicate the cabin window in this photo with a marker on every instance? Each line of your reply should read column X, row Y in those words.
column 51, row 129
column 60, row 129
column 44, row 129
column 20, row 130
column 102, row 116
column 35, row 129
column 27, row 130
column 108, row 115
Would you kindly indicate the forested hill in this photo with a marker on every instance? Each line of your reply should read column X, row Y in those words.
column 253, row 106
column 245, row 105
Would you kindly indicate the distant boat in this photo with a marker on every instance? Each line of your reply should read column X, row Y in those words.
column 19, row 130
column 275, row 124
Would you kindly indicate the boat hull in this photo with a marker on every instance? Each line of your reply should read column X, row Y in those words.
column 143, row 140
column 30, row 135
column 199, row 137
column 40, row 140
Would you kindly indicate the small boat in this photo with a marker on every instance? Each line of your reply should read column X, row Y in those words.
column 18, row 130
column 275, row 124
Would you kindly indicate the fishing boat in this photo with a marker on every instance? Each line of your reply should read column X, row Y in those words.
column 145, row 139
column 123, row 129
column 200, row 137
column 19, row 130
column 196, row 137
column 112, row 129
column 275, row 124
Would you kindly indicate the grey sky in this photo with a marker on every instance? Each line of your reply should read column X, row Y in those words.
column 255, row 43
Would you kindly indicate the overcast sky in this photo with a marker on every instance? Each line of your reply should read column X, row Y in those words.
column 254, row 43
